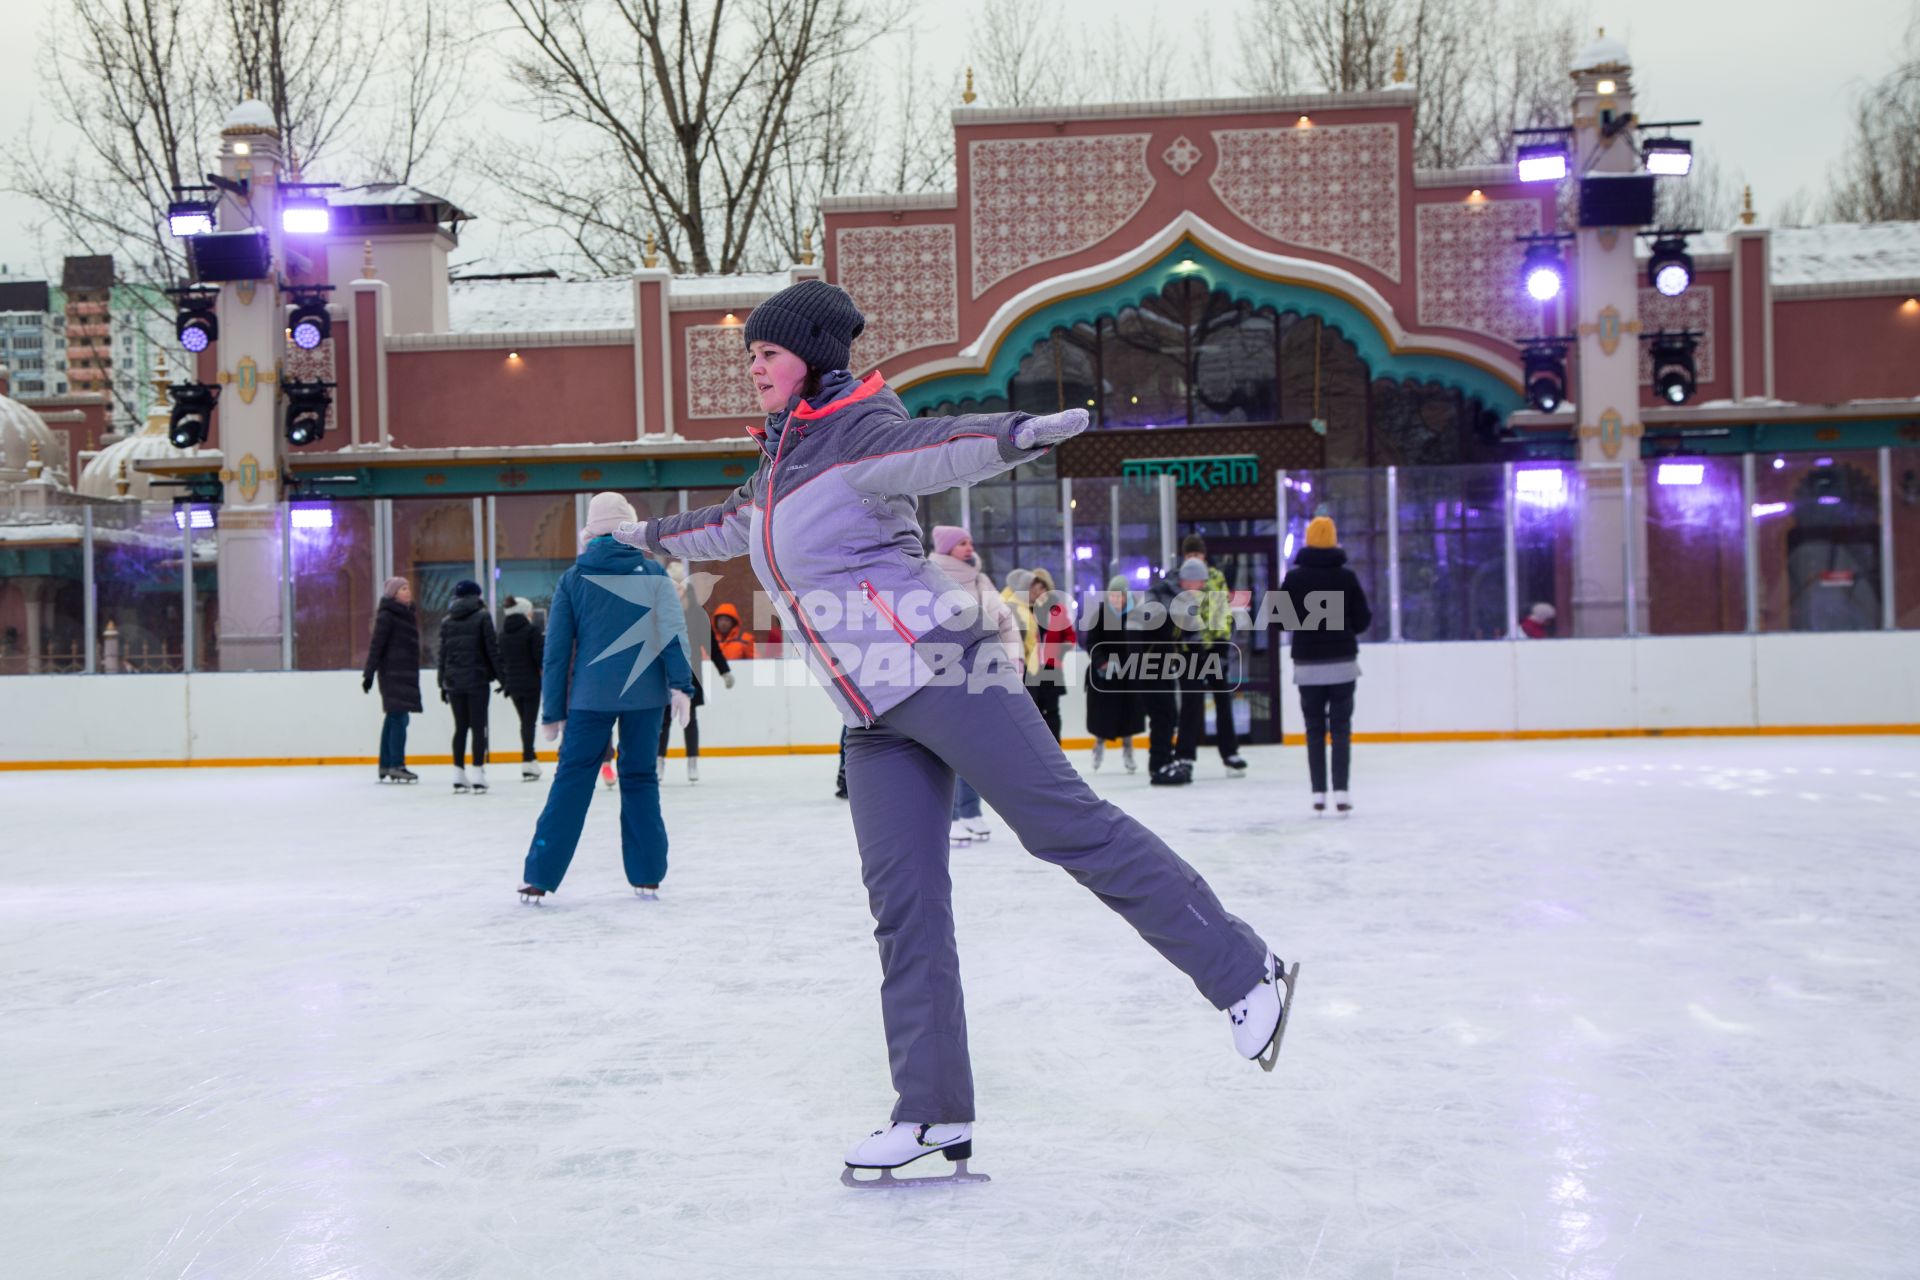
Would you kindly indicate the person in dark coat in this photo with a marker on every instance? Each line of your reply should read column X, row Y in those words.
column 1114, row 709
column 469, row 665
column 522, row 650
column 393, row 658
column 1156, row 629
column 1326, row 660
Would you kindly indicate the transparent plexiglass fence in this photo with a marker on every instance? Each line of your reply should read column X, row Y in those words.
column 42, row 591
column 1118, row 529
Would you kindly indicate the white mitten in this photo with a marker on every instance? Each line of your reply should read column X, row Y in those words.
column 726, row 678
column 682, row 706
column 1037, row 433
column 631, row 532
column 551, row 730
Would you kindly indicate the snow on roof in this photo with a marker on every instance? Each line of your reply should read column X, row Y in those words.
column 1846, row 253
column 251, row 114
column 383, row 193
column 722, row 286
column 540, row 306
column 486, row 267
column 1834, row 253
column 535, row 306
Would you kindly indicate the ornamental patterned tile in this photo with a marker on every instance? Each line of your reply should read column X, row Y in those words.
column 1037, row 199
column 317, row 366
column 1335, row 188
column 1691, row 310
column 1469, row 266
column 905, row 280
column 716, row 363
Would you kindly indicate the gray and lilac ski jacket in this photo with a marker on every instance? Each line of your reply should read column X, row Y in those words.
column 831, row 524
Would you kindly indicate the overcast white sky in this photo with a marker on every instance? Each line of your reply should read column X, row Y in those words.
column 1772, row 79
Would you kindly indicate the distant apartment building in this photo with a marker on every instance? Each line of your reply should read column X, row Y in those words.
column 32, row 344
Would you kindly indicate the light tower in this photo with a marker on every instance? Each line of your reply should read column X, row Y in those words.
column 249, row 349
column 1611, row 190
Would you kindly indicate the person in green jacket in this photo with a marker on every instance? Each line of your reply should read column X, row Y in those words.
column 1209, row 654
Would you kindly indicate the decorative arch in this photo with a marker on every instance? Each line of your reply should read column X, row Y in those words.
column 1188, row 248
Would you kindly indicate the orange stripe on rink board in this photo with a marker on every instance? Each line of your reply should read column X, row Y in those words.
column 1070, row 744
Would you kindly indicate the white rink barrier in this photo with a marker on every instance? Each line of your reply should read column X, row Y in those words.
column 1842, row 682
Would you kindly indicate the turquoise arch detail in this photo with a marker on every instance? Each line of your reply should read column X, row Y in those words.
column 1189, row 260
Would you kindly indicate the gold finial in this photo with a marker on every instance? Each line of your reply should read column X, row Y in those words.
column 1399, row 64
column 122, row 482
column 366, row 259
column 651, row 258
column 967, row 95
column 1746, row 206
column 162, row 377
column 806, row 247
column 34, row 465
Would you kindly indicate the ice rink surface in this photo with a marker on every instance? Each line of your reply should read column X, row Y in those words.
column 1567, row 1009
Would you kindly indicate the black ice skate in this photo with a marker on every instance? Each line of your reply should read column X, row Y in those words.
column 899, row 1145
column 530, row 895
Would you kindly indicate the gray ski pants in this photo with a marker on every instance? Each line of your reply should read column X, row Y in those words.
column 900, row 776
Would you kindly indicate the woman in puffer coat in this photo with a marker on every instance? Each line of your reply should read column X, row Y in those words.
column 393, row 658
column 831, row 523
column 522, row 652
column 954, row 556
column 1114, row 709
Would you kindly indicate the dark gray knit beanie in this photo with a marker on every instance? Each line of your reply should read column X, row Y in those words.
column 815, row 320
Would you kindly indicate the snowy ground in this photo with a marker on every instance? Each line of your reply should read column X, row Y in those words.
column 1626, row 1008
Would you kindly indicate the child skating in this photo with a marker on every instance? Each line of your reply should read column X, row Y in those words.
column 829, row 519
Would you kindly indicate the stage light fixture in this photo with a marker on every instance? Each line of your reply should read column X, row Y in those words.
column 305, row 216
column 192, row 418
column 307, row 404
column 309, row 324
column 1541, row 161
column 189, row 218
column 1667, row 157
column 1673, row 368
column 1670, row 270
column 1544, row 370
column 196, row 324
column 232, row 255
column 1543, row 272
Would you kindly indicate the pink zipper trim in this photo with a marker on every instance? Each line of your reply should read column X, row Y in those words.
column 766, row 529
column 873, row 598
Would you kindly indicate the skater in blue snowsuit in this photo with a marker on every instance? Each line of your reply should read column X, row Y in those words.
column 616, row 656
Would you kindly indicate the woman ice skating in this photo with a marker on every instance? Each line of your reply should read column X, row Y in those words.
column 393, row 658
column 734, row 641
column 616, row 656
column 1114, row 709
column 700, row 647
column 1326, row 664
column 469, row 665
column 829, row 521
column 522, row 650
column 953, row 555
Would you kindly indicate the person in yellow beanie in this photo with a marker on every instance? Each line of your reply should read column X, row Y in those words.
column 1326, row 660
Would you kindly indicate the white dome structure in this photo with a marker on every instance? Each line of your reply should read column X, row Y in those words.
column 20, row 430
column 100, row 478
column 1603, row 53
column 250, row 116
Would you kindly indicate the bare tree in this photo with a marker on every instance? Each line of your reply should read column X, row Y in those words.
column 308, row 60
column 1879, row 180
column 680, row 108
column 1028, row 58
column 1709, row 197
column 420, row 94
column 1478, row 68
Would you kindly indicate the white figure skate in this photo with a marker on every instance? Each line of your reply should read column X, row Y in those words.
column 958, row 836
column 900, row 1144
column 1260, row 1020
